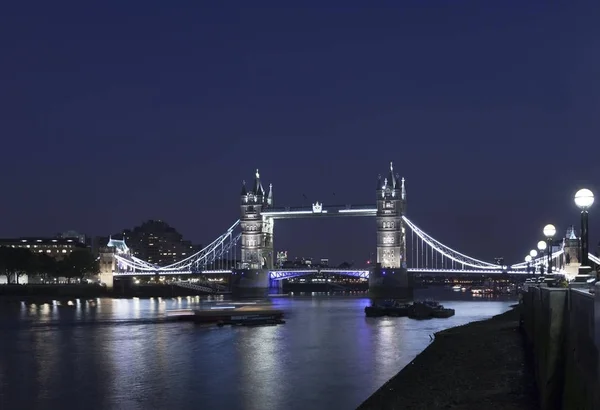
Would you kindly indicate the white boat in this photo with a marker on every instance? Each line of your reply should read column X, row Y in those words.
column 456, row 288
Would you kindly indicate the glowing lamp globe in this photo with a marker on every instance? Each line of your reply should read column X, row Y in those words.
column 541, row 245
column 528, row 259
column 533, row 253
column 584, row 198
column 549, row 231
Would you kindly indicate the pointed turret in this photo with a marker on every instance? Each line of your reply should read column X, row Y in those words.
column 244, row 191
column 379, row 183
column 270, row 196
column 258, row 188
column 392, row 179
column 403, row 192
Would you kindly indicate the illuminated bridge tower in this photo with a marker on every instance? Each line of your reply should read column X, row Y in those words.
column 252, row 277
column 251, row 224
column 390, row 277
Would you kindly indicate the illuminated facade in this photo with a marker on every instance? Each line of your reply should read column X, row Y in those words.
column 57, row 248
column 257, row 230
column 391, row 232
column 108, row 264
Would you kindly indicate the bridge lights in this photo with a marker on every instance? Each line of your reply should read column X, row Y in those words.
column 584, row 198
column 533, row 253
column 541, row 245
column 549, row 232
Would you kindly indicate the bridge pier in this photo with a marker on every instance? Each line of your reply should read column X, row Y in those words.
column 391, row 283
column 275, row 286
column 250, row 283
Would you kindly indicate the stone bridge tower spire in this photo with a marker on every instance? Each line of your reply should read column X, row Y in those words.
column 390, row 230
column 390, row 277
column 257, row 230
column 251, row 203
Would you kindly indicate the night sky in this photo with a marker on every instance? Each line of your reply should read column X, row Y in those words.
column 114, row 112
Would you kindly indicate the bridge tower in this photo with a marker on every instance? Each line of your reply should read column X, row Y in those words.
column 107, row 266
column 257, row 230
column 251, row 224
column 391, row 233
column 252, row 279
column 108, row 262
column 390, row 278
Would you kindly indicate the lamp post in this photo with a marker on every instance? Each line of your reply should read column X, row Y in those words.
column 549, row 232
column 528, row 260
column 541, row 245
column 584, row 198
column 533, row 253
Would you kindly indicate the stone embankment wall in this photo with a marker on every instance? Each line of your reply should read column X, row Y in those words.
column 563, row 331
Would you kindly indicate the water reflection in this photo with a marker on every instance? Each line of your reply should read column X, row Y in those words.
column 105, row 354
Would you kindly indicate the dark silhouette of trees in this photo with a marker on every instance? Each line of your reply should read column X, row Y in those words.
column 77, row 264
column 16, row 262
column 46, row 266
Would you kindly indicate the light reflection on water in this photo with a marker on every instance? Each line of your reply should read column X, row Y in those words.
column 109, row 354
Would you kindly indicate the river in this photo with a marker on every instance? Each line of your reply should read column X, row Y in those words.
column 113, row 354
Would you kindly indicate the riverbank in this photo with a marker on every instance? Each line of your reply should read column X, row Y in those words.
column 481, row 365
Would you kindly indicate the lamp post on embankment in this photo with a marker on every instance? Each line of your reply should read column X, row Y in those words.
column 584, row 199
column 541, row 245
column 549, row 232
column 528, row 260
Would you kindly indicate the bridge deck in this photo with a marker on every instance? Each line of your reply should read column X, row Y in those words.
column 279, row 274
column 320, row 211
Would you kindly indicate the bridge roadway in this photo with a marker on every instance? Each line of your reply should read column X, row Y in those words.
column 278, row 274
column 320, row 210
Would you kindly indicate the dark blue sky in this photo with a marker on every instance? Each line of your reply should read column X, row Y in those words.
column 121, row 111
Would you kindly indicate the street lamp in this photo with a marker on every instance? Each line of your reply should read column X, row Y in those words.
column 533, row 253
column 549, row 232
column 584, row 198
column 528, row 260
column 541, row 246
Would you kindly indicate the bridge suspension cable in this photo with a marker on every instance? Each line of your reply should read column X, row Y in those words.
column 594, row 258
column 538, row 261
column 446, row 251
column 431, row 254
column 197, row 261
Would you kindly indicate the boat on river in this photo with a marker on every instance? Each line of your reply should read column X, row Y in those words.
column 417, row 310
column 387, row 308
column 230, row 315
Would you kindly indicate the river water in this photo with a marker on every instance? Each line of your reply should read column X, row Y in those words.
column 114, row 354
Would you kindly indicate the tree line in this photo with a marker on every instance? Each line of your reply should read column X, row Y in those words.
column 17, row 262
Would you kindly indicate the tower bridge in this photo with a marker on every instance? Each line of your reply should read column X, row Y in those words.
column 246, row 248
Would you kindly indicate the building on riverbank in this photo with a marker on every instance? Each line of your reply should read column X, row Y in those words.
column 55, row 247
column 154, row 241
